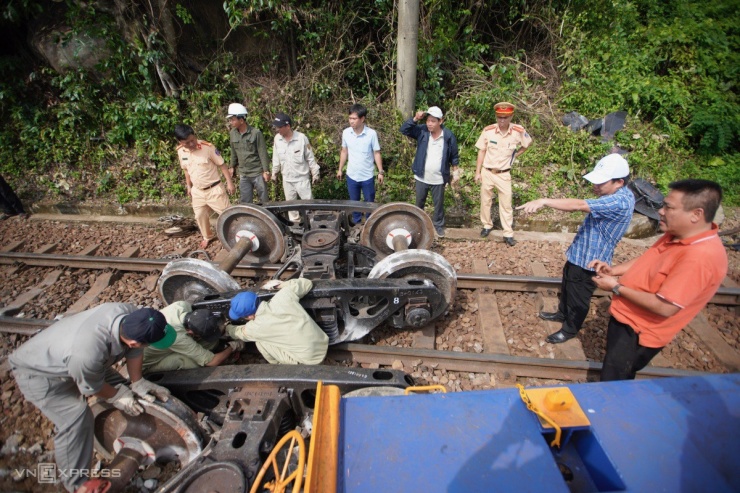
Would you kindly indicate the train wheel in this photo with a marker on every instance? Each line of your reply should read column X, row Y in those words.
column 258, row 223
column 420, row 264
column 396, row 216
column 190, row 279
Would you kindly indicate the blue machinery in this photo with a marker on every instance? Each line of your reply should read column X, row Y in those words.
column 672, row 435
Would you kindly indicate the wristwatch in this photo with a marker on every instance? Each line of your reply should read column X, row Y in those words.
column 615, row 289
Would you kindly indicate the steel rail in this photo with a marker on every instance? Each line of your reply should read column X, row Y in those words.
column 524, row 366
column 493, row 282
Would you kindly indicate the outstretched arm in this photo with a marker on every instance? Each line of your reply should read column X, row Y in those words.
column 567, row 205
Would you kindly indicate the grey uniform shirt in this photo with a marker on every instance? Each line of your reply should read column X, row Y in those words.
column 294, row 158
column 80, row 347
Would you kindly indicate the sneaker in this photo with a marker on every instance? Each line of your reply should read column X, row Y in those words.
column 485, row 232
column 441, row 232
column 510, row 241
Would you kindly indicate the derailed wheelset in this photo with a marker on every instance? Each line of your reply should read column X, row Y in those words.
column 221, row 426
column 363, row 275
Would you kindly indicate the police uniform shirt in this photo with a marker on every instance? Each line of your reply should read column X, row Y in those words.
column 80, row 347
column 201, row 164
column 500, row 147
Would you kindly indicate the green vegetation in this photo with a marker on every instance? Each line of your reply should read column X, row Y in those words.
column 106, row 130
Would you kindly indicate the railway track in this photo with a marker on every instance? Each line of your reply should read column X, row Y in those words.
column 724, row 296
column 570, row 363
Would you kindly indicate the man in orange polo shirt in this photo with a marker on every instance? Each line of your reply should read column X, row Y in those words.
column 498, row 146
column 201, row 162
column 660, row 292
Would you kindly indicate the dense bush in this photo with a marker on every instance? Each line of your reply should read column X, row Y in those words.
column 673, row 66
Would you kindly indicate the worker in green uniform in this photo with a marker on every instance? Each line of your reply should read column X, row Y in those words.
column 198, row 333
column 282, row 330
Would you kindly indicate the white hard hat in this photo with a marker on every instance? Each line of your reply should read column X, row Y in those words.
column 236, row 109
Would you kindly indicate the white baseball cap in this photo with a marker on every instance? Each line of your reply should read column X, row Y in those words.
column 608, row 168
column 435, row 112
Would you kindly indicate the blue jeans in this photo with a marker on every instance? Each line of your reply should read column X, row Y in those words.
column 354, row 188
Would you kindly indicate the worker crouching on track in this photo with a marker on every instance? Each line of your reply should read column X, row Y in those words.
column 71, row 360
column 282, row 330
column 198, row 333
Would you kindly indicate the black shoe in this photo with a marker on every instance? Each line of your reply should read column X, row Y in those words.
column 559, row 337
column 441, row 232
column 510, row 241
column 485, row 232
column 552, row 316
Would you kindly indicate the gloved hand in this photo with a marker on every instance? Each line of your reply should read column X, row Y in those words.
column 150, row 391
column 236, row 346
column 125, row 401
column 273, row 284
column 456, row 175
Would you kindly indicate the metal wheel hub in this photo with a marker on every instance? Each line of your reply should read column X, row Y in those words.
column 170, row 429
column 420, row 265
column 264, row 225
column 190, row 279
column 394, row 216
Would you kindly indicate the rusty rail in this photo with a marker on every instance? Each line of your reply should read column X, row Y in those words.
column 494, row 282
column 450, row 360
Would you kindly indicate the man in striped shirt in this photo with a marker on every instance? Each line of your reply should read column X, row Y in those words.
column 608, row 218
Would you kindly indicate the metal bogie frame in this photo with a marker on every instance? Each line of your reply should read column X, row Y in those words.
column 245, row 410
column 363, row 275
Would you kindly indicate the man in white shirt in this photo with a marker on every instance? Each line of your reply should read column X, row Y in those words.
column 292, row 156
column 436, row 160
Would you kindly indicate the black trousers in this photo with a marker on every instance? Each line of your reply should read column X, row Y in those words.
column 9, row 201
column 624, row 355
column 438, row 198
column 575, row 296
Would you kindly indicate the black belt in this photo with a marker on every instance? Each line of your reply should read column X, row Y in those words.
column 497, row 171
column 211, row 185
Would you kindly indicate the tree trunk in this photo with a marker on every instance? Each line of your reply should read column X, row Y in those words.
column 408, row 45
column 152, row 20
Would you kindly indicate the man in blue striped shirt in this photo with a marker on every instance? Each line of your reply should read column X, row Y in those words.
column 608, row 219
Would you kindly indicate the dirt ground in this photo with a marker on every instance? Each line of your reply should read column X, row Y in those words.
column 26, row 436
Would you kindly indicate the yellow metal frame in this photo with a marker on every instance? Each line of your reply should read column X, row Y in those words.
column 323, row 453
